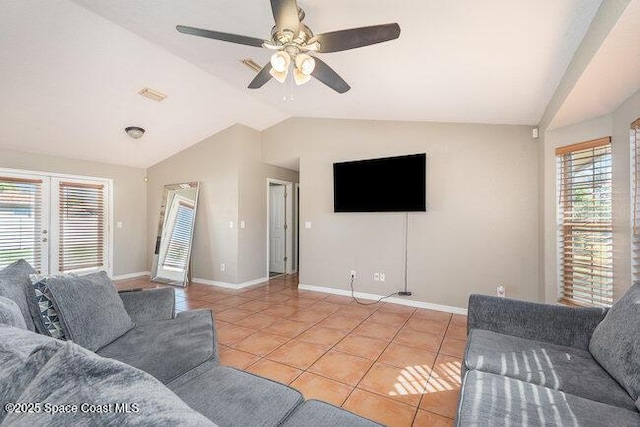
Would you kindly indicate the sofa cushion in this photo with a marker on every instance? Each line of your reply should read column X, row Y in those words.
column 169, row 348
column 615, row 342
column 89, row 308
column 492, row 400
column 120, row 394
column 44, row 314
column 314, row 413
column 568, row 369
column 230, row 397
column 15, row 285
column 10, row 314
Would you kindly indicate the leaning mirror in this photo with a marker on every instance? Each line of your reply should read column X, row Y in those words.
column 175, row 234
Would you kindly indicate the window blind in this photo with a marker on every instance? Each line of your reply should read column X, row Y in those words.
column 180, row 239
column 82, row 226
column 585, row 219
column 635, row 198
column 20, row 221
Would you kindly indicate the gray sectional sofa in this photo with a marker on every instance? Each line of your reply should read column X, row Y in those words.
column 163, row 370
column 537, row 364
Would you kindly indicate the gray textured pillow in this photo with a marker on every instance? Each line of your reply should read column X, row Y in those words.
column 10, row 314
column 615, row 342
column 15, row 285
column 90, row 309
column 73, row 376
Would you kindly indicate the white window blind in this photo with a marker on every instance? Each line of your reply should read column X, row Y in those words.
column 82, row 226
column 180, row 238
column 635, row 198
column 20, row 221
column 585, row 219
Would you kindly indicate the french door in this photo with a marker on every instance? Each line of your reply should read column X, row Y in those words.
column 58, row 224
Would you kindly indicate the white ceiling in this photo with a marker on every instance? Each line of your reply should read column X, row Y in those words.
column 70, row 86
column 612, row 76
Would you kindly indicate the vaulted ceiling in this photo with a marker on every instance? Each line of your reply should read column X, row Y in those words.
column 71, row 69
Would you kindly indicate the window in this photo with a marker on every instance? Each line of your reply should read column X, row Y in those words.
column 585, row 223
column 635, row 199
column 59, row 224
column 21, row 220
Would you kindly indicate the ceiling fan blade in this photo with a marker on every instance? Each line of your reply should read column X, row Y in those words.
column 337, row 41
column 285, row 12
column 216, row 35
column 262, row 78
column 326, row 75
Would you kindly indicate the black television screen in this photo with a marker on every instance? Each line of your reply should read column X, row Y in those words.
column 392, row 184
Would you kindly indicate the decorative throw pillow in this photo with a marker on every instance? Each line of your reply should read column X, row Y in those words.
column 15, row 285
column 615, row 342
column 90, row 310
column 10, row 314
column 46, row 316
column 112, row 393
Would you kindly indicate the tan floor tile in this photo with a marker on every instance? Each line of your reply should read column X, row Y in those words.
column 429, row 419
column 442, row 391
column 326, row 307
column 369, row 348
column 459, row 320
column 342, row 367
column 319, row 335
column 436, row 327
column 254, row 305
column 390, row 307
column 236, row 358
column 231, row 334
column 233, row 314
column 300, row 302
column 280, row 311
column 257, row 321
column 338, row 299
column 429, row 342
column 403, row 356
column 376, row 330
column 453, row 347
column 458, row 332
column 362, row 311
column 298, row 354
column 308, row 316
column 396, row 319
column 341, row 322
column 235, row 301
column 403, row 384
column 381, row 409
column 260, row 343
column 423, row 313
column 316, row 387
column 274, row 371
column 287, row 328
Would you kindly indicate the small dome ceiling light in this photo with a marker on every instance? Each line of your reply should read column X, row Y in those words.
column 134, row 132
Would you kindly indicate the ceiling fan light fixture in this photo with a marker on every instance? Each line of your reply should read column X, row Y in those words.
column 280, row 61
column 280, row 76
column 305, row 63
column 134, row 132
column 300, row 77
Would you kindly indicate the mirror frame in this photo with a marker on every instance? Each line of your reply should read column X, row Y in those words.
column 163, row 211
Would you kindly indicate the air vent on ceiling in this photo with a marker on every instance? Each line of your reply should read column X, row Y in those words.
column 152, row 94
column 251, row 64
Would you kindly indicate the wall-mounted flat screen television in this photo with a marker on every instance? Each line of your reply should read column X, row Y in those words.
column 391, row 184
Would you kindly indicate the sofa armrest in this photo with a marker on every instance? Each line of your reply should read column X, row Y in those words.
column 150, row 304
column 557, row 324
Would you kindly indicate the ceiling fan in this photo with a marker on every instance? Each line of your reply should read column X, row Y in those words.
column 293, row 42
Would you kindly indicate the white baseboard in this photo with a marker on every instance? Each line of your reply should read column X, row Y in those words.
column 131, row 275
column 228, row 285
column 401, row 301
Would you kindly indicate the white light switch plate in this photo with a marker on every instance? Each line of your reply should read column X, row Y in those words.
column 307, row 224
column 242, row 224
column 230, row 224
column 119, row 224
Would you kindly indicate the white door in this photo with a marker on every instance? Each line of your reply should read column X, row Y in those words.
column 277, row 229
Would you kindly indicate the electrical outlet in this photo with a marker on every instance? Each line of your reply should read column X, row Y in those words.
column 376, row 277
column 500, row 290
column 382, row 277
column 223, row 267
column 353, row 274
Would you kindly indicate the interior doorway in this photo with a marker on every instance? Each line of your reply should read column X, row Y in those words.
column 281, row 227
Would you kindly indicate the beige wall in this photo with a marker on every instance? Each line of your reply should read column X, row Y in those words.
column 129, row 201
column 480, row 229
column 616, row 124
column 233, row 181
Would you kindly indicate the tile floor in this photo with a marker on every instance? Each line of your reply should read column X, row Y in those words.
column 394, row 364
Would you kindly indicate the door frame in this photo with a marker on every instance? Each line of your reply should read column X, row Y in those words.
column 47, row 176
column 289, row 268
